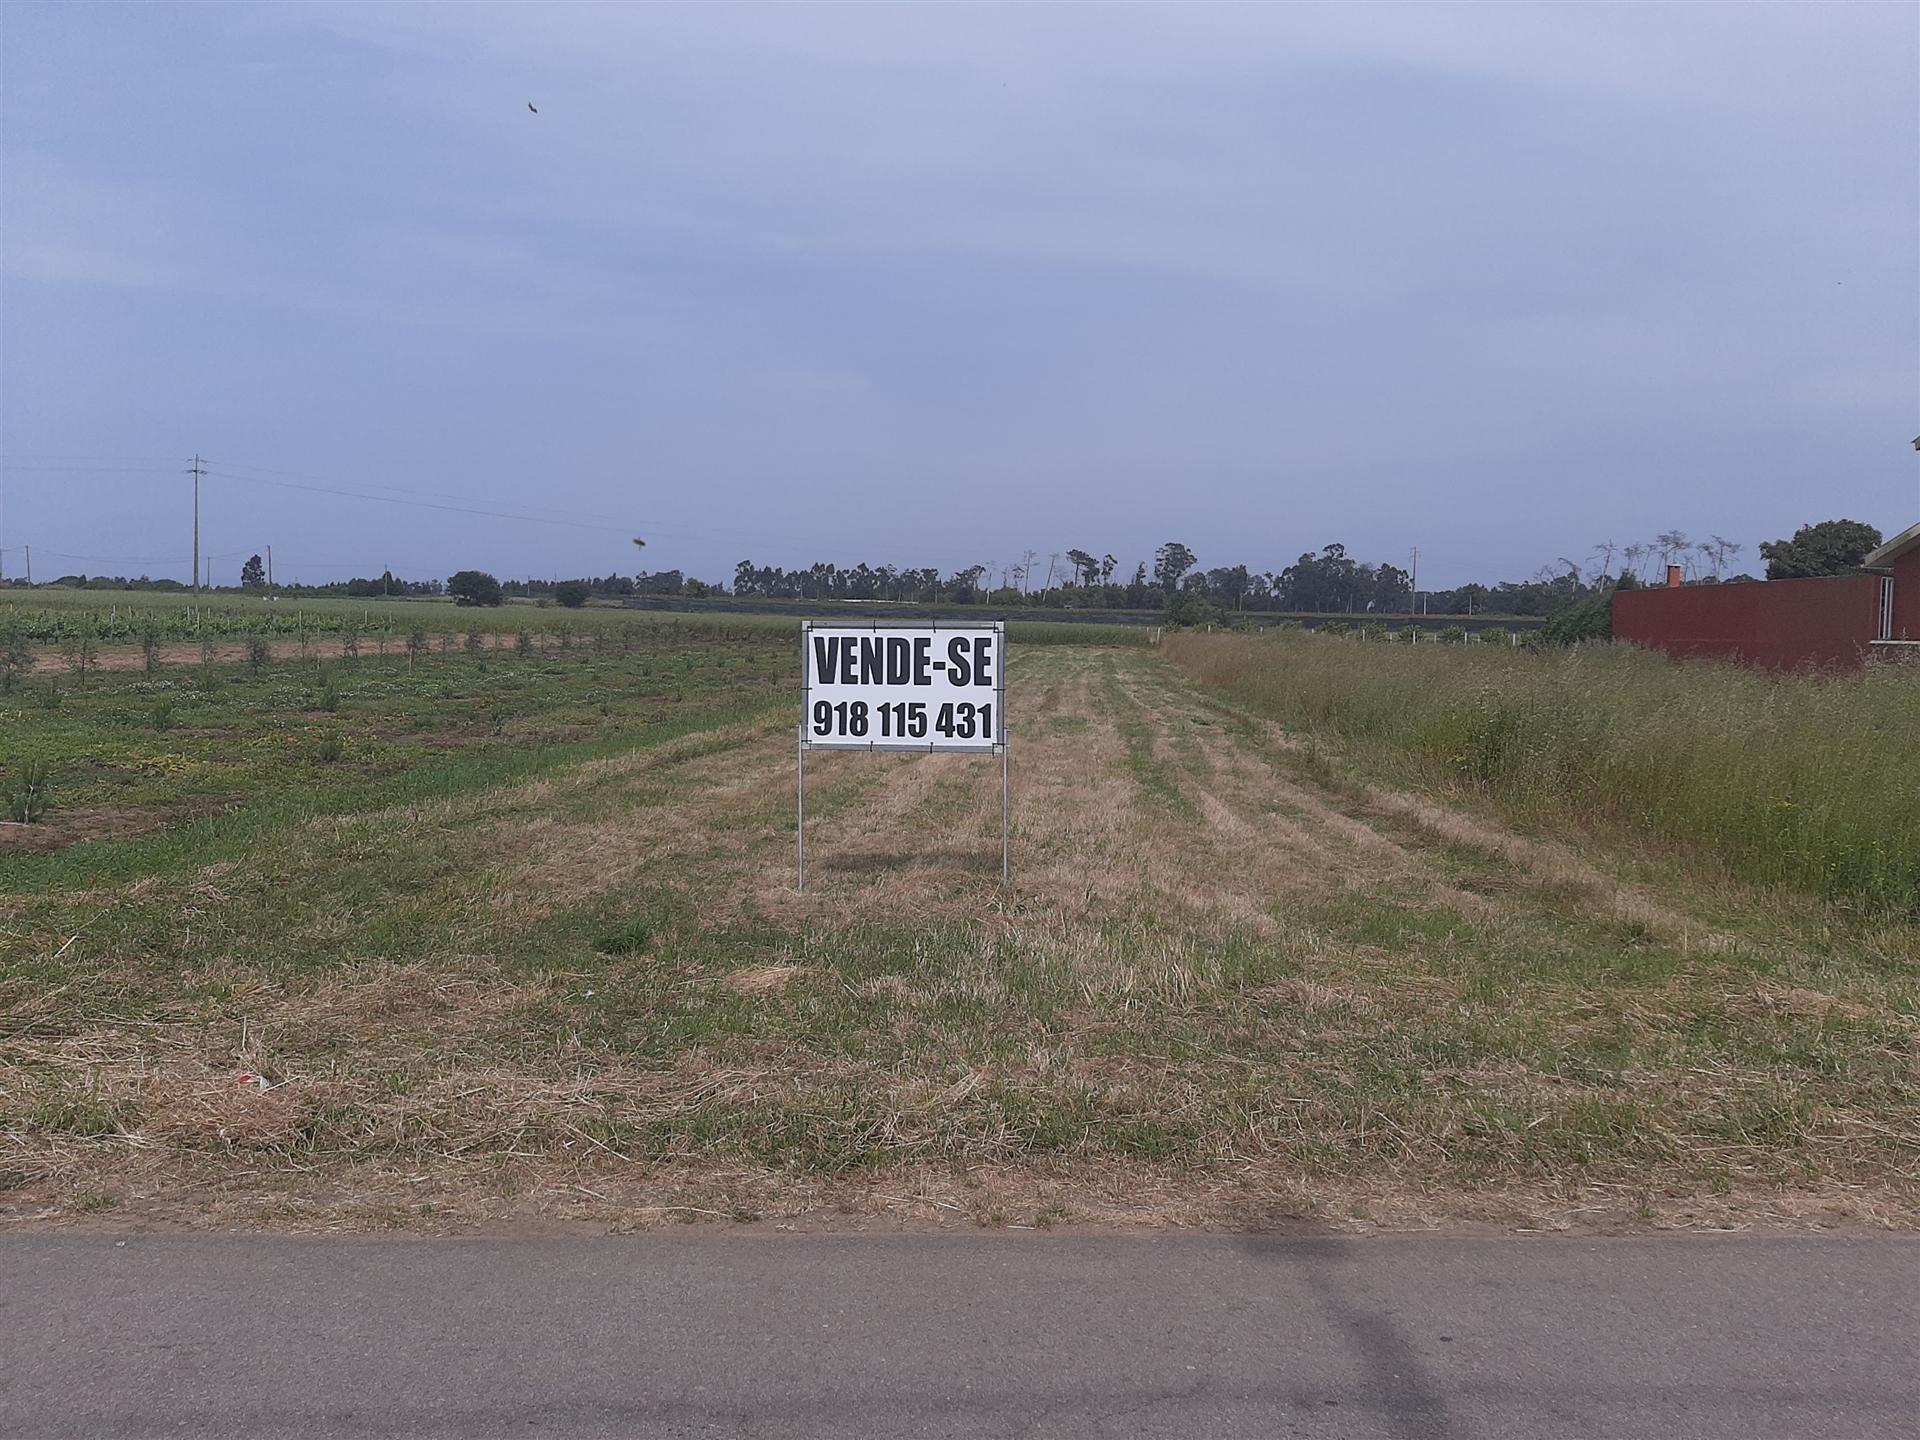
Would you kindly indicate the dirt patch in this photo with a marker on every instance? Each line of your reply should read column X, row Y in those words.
column 485, row 1195
column 1801, row 1003
column 50, row 660
column 761, row 979
column 64, row 827
column 175, row 655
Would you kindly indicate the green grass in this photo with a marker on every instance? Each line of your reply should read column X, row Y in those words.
column 1804, row 782
column 1045, row 632
column 532, row 934
column 157, row 769
column 52, row 617
column 201, row 759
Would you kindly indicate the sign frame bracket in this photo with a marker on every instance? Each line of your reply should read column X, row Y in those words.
column 998, row 747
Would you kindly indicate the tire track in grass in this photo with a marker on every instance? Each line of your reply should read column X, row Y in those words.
column 1157, row 781
column 1283, row 838
column 1371, row 815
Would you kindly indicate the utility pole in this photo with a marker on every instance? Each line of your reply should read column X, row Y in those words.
column 269, row 569
column 195, row 472
column 1414, row 603
column 29, row 567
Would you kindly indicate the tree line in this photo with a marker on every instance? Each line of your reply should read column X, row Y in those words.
column 1326, row 581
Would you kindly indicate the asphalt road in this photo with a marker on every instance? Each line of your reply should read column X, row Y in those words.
column 856, row 1336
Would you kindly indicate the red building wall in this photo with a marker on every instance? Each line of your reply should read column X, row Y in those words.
column 1906, row 596
column 1779, row 624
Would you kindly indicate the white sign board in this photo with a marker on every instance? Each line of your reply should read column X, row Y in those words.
column 904, row 687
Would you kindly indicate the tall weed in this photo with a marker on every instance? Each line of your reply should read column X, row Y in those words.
column 1811, row 782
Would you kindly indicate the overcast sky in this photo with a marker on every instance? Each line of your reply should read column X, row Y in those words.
column 943, row 285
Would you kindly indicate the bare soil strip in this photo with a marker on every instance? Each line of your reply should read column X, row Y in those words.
column 174, row 655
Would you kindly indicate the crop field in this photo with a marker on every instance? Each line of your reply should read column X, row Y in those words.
column 508, row 934
column 120, row 624
column 188, row 752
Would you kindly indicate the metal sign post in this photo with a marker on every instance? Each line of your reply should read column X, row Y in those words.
column 926, row 688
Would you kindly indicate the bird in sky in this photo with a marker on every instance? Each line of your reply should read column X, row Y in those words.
column 530, row 107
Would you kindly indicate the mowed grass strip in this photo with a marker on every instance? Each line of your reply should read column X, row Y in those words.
column 595, row 988
column 204, row 758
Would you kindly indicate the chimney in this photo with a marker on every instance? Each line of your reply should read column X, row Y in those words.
column 1673, row 577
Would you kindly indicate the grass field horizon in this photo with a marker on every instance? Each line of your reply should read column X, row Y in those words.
column 234, row 611
column 510, row 936
column 116, row 622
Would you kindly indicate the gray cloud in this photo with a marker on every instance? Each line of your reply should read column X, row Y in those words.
column 953, row 282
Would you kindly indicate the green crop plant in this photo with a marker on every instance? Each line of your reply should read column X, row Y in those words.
column 29, row 792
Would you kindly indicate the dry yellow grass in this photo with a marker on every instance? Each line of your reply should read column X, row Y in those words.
column 1231, row 985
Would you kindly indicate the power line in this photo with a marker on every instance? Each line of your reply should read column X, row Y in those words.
column 120, row 559
column 196, row 472
column 246, row 471
column 90, row 469
column 617, row 528
column 90, row 460
column 264, row 474
column 792, row 544
column 258, row 475
column 421, row 504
